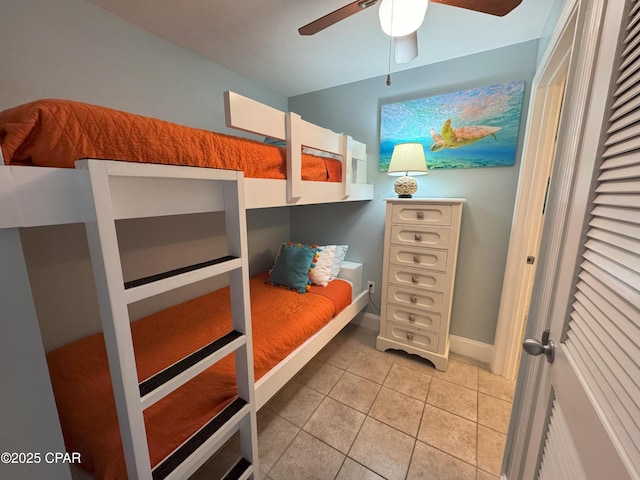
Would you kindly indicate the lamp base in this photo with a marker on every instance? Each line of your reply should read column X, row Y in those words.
column 405, row 186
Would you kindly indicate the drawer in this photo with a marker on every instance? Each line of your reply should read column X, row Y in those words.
column 432, row 301
column 420, row 236
column 414, row 317
column 408, row 256
column 421, row 214
column 416, row 278
column 415, row 338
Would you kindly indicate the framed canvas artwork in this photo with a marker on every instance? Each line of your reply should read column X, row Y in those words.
column 465, row 129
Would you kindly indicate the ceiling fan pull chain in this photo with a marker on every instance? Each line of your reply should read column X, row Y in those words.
column 390, row 49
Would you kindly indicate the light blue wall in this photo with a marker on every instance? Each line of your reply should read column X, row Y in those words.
column 74, row 50
column 549, row 27
column 490, row 192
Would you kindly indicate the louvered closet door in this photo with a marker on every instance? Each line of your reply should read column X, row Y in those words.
column 594, row 425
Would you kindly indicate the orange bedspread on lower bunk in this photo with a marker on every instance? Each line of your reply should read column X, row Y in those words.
column 282, row 320
column 56, row 133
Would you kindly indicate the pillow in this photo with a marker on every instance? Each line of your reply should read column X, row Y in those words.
column 322, row 269
column 308, row 150
column 320, row 153
column 336, row 265
column 294, row 266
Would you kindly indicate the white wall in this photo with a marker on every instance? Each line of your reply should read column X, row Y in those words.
column 490, row 192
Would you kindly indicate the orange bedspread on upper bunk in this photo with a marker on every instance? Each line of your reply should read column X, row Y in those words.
column 56, row 133
column 282, row 320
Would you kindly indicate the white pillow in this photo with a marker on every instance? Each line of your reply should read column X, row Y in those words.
column 320, row 153
column 323, row 266
column 341, row 252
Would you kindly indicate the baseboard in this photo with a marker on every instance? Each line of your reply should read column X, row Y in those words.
column 482, row 352
column 367, row 320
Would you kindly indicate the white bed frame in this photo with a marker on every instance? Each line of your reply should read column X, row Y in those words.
column 97, row 193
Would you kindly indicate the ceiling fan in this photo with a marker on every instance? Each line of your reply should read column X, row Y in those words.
column 393, row 19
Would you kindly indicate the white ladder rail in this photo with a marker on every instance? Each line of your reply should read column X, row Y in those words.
column 133, row 397
column 237, row 245
column 107, row 272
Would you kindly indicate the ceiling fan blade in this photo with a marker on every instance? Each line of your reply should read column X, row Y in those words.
column 405, row 48
column 493, row 7
column 335, row 16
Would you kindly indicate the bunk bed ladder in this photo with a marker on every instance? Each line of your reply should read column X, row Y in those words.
column 132, row 396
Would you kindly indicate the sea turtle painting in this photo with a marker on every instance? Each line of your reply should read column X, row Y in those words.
column 459, row 137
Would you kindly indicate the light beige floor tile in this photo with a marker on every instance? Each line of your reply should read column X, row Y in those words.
column 296, row 403
column 412, row 361
column 398, row 411
column 307, row 457
column 490, row 449
column 493, row 412
column 450, row 433
column 472, row 361
column 363, row 338
column 496, row 386
column 383, row 449
column 319, row 375
column 352, row 470
column 346, row 333
column 371, row 367
column 482, row 475
column 335, row 424
column 220, row 463
column 430, row 463
column 355, row 391
column 338, row 355
column 274, row 436
column 460, row 373
column 408, row 381
column 454, row 399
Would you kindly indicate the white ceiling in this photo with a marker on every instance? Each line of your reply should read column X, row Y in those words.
column 258, row 39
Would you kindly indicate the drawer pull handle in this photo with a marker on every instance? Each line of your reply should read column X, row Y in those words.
column 417, row 237
column 413, row 299
column 416, row 259
column 409, row 336
column 420, row 215
column 412, row 317
column 414, row 279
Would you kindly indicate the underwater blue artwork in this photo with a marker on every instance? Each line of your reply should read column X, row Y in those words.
column 465, row 129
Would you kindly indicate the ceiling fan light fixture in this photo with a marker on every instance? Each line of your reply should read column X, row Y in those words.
column 401, row 17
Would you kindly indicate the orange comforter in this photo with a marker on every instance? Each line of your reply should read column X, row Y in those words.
column 281, row 319
column 56, row 133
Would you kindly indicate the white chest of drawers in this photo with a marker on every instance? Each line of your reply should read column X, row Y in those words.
column 418, row 272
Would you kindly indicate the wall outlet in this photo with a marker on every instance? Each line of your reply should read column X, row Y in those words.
column 371, row 285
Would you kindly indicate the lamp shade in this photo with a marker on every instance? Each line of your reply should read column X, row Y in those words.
column 408, row 159
column 401, row 17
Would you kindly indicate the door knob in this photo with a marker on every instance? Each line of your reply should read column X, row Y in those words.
column 545, row 347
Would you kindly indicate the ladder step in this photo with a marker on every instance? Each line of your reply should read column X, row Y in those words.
column 146, row 287
column 237, row 408
column 238, row 470
column 174, row 376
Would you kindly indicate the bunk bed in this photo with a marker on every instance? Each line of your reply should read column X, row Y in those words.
column 99, row 192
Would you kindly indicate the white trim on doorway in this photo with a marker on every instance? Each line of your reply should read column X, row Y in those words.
column 539, row 151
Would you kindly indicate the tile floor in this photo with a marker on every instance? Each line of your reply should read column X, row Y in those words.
column 355, row 413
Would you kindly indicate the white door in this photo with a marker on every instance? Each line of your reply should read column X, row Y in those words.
column 578, row 417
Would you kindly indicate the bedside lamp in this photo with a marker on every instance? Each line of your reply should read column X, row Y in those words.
column 407, row 159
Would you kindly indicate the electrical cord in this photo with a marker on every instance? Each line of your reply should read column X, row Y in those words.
column 371, row 301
